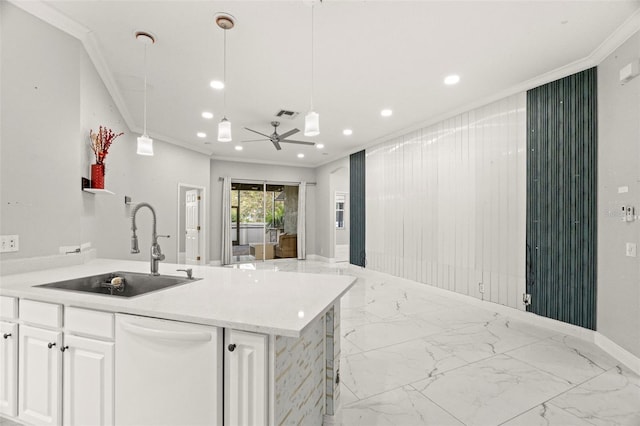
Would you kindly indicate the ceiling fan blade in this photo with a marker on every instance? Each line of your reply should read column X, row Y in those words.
column 287, row 134
column 255, row 140
column 276, row 144
column 298, row 142
column 255, row 131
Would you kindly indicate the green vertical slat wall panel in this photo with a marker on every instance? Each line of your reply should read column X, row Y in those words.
column 561, row 199
column 357, row 255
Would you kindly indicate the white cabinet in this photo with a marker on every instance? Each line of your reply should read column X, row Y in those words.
column 245, row 378
column 40, row 376
column 88, row 381
column 8, row 368
column 167, row 372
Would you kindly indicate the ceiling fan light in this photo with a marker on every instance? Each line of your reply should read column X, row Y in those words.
column 224, row 130
column 312, row 124
column 145, row 145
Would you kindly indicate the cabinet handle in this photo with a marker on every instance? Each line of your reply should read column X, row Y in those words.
column 6, row 335
column 64, row 348
column 50, row 345
column 151, row 333
column 232, row 347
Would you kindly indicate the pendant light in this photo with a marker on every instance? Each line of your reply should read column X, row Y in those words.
column 312, row 119
column 224, row 127
column 145, row 143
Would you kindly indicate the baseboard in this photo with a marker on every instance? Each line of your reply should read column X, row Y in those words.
column 618, row 352
column 610, row 347
column 319, row 258
column 215, row 263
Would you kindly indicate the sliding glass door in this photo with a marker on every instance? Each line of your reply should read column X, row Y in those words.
column 258, row 218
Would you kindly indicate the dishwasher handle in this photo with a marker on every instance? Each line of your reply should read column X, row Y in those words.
column 153, row 333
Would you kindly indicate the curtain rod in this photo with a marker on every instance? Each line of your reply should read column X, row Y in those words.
column 268, row 182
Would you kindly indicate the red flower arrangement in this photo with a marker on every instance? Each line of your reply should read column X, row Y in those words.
column 101, row 141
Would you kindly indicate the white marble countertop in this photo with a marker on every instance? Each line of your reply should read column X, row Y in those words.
column 277, row 303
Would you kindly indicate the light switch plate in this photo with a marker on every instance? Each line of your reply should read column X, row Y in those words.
column 631, row 249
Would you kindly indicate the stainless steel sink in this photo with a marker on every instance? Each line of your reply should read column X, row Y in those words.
column 135, row 284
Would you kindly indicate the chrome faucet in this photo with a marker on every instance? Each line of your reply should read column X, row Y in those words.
column 156, row 252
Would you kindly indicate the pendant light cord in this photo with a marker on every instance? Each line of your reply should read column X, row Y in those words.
column 145, row 90
column 224, row 76
column 312, row 55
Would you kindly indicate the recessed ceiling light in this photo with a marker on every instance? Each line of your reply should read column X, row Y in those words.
column 216, row 84
column 347, row 132
column 201, row 135
column 451, row 79
column 208, row 115
column 386, row 113
column 320, row 145
column 239, row 148
column 301, row 155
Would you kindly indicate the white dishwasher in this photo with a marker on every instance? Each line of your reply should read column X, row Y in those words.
column 167, row 372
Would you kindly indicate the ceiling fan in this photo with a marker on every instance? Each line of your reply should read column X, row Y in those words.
column 277, row 139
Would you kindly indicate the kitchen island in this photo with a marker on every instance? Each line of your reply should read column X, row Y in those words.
column 292, row 317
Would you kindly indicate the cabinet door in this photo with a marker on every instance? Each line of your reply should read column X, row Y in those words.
column 8, row 368
column 40, row 376
column 87, row 381
column 245, row 378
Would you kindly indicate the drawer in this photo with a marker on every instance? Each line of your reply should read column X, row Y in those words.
column 41, row 313
column 8, row 307
column 89, row 322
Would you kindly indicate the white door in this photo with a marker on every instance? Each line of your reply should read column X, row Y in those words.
column 167, row 372
column 192, row 227
column 8, row 368
column 40, row 376
column 245, row 378
column 88, row 382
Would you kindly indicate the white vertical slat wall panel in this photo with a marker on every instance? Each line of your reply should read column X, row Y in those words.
column 446, row 204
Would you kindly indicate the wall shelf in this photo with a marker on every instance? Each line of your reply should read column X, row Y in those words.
column 98, row 191
column 86, row 187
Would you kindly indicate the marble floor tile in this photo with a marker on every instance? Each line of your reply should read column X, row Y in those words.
column 612, row 398
column 455, row 318
column 567, row 357
column 348, row 348
column 491, row 391
column 545, row 415
column 402, row 406
column 480, row 341
column 346, row 396
column 384, row 333
column 372, row 372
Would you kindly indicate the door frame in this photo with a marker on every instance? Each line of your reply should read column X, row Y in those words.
column 203, row 219
column 345, row 194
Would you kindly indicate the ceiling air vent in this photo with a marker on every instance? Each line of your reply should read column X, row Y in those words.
column 283, row 113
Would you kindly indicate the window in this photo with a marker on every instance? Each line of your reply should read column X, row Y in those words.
column 340, row 211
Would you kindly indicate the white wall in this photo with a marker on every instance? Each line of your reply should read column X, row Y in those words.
column 446, row 205
column 618, row 166
column 45, row 151
column 145, row 179
column 258, row 173
column 331, row 177
column 40, row 198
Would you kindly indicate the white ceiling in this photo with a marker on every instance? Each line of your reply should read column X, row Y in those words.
column 369, row 55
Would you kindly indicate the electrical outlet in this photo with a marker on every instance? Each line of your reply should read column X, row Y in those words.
column 481, row 288
column 631, row 250
column 9, row 243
